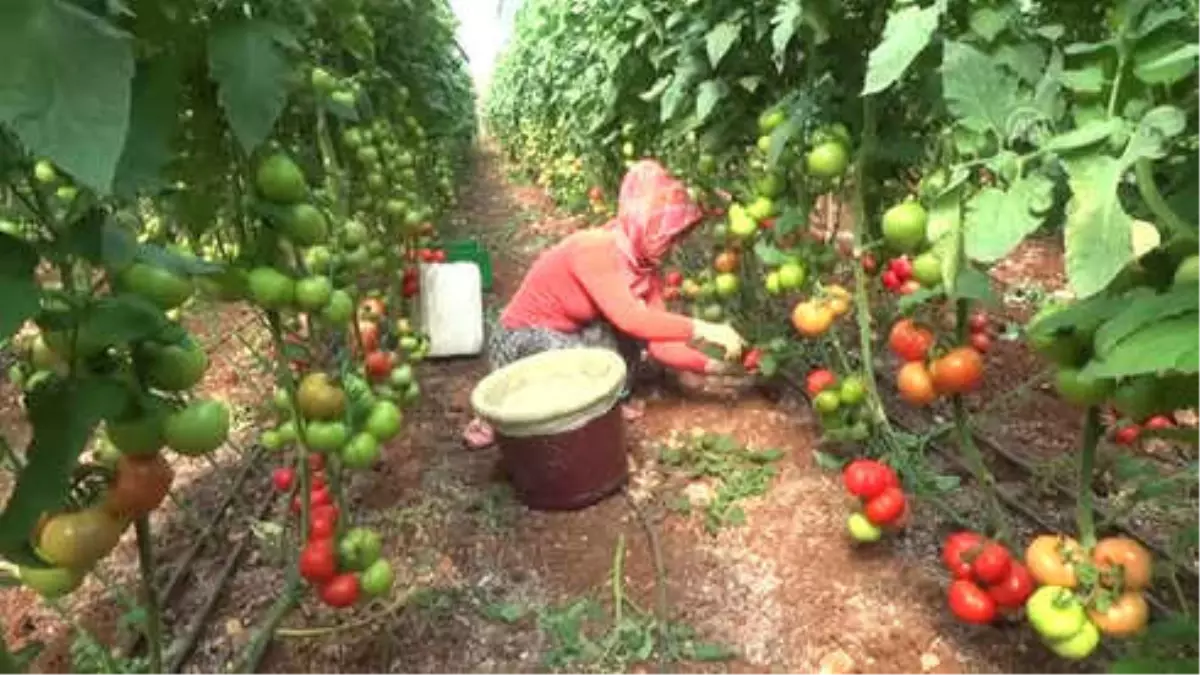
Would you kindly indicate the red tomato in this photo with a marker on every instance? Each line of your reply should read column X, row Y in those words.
column 982, row 342
column 890, row 280
column 970, row 603
column 317, row 482
column 887, row 507
column 867, row 478
column 325, row 511
column 751, row 360
column 1014, row 589
column 902, row 268
column 979, row 322
column 674, row 278
column 868, row 263
column 959, row 371
column 819, row 380
column 321, row 528
column 411, row 288
column 670, row 293
column 369, row 333
column 910, row 341
column 767, row 224
column 340, row 591
column 318, row 560
column 319, row 496
column 378, row 364
column 992, row 564
column 1127, row 435
column 439, row 256
column 959, row 550
column 1158, row 423
column 282, row 478
column 426, row 255
column 316, row 461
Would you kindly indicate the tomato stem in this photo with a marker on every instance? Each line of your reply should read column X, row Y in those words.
column 978, row 467
column 1086, row 517
column 149, row 596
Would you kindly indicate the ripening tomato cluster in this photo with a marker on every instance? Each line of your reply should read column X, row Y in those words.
column 839, row 402
column 1129, row 432
column 920, row 381
column 431, row 256
column 897, row 276
column 813, row 317
column 881, row 498
column 1087, row 594
column 986, row 580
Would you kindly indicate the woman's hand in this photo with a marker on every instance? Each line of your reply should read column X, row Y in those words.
column 721, row 334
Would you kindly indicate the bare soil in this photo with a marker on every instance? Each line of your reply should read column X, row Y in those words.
column 786, row 590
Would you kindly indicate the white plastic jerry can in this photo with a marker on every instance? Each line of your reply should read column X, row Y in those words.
column 452, row 308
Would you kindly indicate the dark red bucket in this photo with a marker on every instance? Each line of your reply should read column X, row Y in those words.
column 570, row 470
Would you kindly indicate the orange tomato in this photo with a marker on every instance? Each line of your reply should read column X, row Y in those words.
column 1126, row 615
column 1051, row 560
column 909, row 341
column 1123, row 562
column 369, row 331
column 140, row 485
column 726, row 262
column 958, row 372
column 372, row 308
column 915, row 384
column 811, row 318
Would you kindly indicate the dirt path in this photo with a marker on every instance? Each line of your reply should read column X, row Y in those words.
column 785, row 590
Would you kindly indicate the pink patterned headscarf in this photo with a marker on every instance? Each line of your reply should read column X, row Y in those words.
column 653, row 209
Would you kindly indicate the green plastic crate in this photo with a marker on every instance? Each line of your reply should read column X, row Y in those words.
column 471, row 250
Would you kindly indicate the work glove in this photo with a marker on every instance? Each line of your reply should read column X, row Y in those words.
column 721, row 334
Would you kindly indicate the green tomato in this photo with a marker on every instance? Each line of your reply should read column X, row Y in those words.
column 156, row 284
column 44, row 172
column 770, row 185
column 852, row 391
column 322, row 81
column 863, row 530
column 1055, row 612
column 198, row 429
column 904, row 226
column 51, row 582
column 761, row 208
column 1080, row 645
column 270, row 288
column 287, row 431
column 344, row 98
column 1067, row 348
column 271, row 440
column 401, row 376
column 712, row 312
column 384, row 421
column 773, row 283
column 326, row 436
column 305, row 225
column 1188, row 272
column 361, row 452
column 827, row 402
column 279, row 180
column 377, row 579
column 741, row 224
column 359, row 548
column 770, row 119
column 1076, row 388
column 412, row 393
column 358, row 258
column 318, row 259
column 313, row 293
column 827, row 160
column 281, row 401
column 340, row 308
column 176, row 367
column 727, row 285
column 927, row 269
column 141, row 433
column 791, row 275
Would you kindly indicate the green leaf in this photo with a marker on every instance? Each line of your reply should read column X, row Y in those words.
column 1168, row 345
column 1088, row 80
column 1026, row 59
column 780, row 137
column 786, row 21
column 907, row 33
column 712, row 651
column 64, row 86
column 1167, row 68
column 57, row 441
column 122, row 318
column 657, row 89
column 750, row 84
column 768, row 366
column 708, row 95
column 1099, row 232
column 18, row 286
column 826, row 461
column 1147, row 311
column 153, row 122
column 1089, row 134
column 973, row 284
column 908, row 303
column 998, row 220
column 720, row 39
column 672, row 98
column 251, row 72
column 978, row 93
column 989, row 22
column 507, row 612
column 768, row 254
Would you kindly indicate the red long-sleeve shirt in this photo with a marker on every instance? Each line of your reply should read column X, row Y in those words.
column 582, row 279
